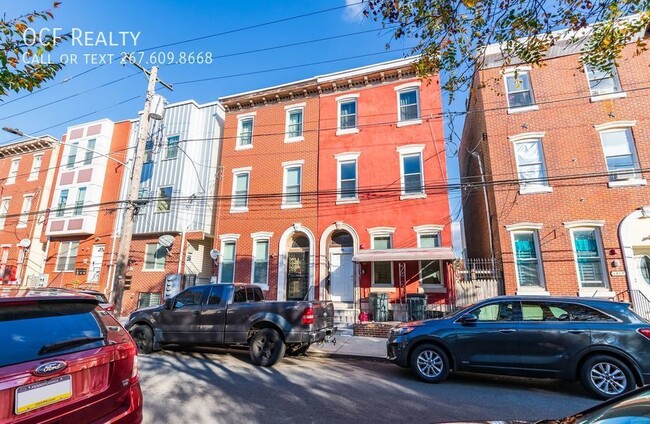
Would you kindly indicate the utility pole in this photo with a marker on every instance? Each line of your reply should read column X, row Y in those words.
column 127, row 225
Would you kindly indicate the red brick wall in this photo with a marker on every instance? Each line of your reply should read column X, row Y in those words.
column 571, row 146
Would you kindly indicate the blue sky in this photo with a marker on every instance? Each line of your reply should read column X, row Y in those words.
column 163, row 22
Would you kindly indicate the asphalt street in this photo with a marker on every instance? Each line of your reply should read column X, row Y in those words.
column 222, row 386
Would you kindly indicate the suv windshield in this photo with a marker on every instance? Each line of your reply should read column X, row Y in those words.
column 43, row 329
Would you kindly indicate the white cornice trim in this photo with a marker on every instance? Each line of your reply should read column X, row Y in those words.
column 614, row 125
column 584, row 223
column 527, row 136
column 524, row 226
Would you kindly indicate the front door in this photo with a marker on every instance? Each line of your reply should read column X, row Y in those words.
column 298, row 275
column 96, row 260
column 341, row 274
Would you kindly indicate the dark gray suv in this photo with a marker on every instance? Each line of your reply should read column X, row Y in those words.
column 601, row 343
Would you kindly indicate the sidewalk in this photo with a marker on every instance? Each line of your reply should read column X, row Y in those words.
column 372, row 347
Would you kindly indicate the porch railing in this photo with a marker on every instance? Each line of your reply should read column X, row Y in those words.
column 640, row 303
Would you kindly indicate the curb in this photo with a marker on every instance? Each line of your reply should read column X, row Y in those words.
column 347, row 356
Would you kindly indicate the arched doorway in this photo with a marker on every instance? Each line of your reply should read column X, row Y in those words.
column 634, row 235
column 298, row 267
column 341, row 269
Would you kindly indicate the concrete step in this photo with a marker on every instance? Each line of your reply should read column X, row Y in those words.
column 344, row 317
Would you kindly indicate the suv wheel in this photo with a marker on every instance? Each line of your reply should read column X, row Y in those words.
column 143, row 338
column 430, row 364
column 606, row 377
column 266, row 347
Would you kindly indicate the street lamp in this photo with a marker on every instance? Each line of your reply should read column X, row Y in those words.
column 19, row 133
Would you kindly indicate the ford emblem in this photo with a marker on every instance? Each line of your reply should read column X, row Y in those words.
column 49, row 368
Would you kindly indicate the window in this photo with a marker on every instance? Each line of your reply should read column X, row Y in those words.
column 148, row 299
column 227, row 269
column 79, row 204
column 602, row 82
column 530, row 165
column 4, row 210
column 348, row 114
column 164, row 202
column 190, row 297
column 294, row 124
column 292, row 185
column 412, row 181
column 63, row 201
column 240, row 191
column 382, row 241
column 24, row 211
column 620, row 154
column 589, row 257
column 155, row 256
column 88, row 155
column 431, row 272
column 348, row 179
column 382, row 273
column 429, row 239
column 171, row 149
column 148, row 151
column 409, row 108
column 36, row 167
column 67, row 256
column 527, row 261
column 72, row 155
column 245, row 133
column 644, row 268
column 518, row 89
column 261, row 262
column 13, row 171
column 502, row 311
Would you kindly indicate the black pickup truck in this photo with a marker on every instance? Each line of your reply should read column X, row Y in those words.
column 235, row 315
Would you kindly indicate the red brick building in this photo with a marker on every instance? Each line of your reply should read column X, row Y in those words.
column 565, row 155
column 83, row 207
column 27, row 170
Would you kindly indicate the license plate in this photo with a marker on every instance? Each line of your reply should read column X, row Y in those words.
column 43, row 393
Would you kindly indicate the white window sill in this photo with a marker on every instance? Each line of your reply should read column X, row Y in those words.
column 534, row 190
column 609, row 96
column 64, row 271
column 153, row 270
column 532, row 291
column 238, row 210
column 628, row 183
column 21, row 226
column 347, row 131
column 382, row 289
column 8, row 183
column 347, row 201
column 598, row 293
column 32, row 179
column 409, row 122
column 296, row 206
column 244, row 147
column 434, row 288
column 522, row 109
column 294, row 139
column 413, row 196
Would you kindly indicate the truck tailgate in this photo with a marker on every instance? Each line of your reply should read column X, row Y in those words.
column 323, row 315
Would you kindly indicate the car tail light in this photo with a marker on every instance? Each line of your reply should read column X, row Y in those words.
column 645, row 332
column 133, row 355
column 110, row 308
column 308, row 315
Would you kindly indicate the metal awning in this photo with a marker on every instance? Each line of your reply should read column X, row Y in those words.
column 411, row 254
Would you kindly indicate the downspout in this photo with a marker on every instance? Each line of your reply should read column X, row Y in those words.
column 487, row 206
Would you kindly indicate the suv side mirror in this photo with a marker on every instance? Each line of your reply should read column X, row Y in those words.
column 468, row 319
column 169, row 303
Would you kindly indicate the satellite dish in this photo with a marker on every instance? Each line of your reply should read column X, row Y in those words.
column 166, row 240
column 25, row 243
column 214, row 254
column 157, row 109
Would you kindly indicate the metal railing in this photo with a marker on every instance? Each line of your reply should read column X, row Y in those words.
column 640, row 303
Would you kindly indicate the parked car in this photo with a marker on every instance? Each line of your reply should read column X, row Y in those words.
column 235, row 315
column 601, row 343
column 65, row 360
column 101, row 298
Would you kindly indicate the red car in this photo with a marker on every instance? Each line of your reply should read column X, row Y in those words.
column 64, row 359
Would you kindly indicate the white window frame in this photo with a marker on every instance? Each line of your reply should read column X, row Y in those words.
column 426, row 230
column 79, row 203
column 381, row 232
column 33, row 173
column 89, row 152
column 3, row 214
column 67, row 257
column 229, row 238
column 590, row 225
column 534, row 228
column 72, row 147
column 240, row 119
column 13, row 171
column 403, row 88
column 409, row 150
column 285, row 173
column 432, row 287
column 166, row 152
column 628, row 178
column 258, row 237
column 293, row 108
column 539, row 186
column 159, row 200
column 511, row 72
column 156, row 267
column 598, row 97
column 235, row 172
column 340, row 159
column 348, row 98
column 23, row 219
column 392, row 276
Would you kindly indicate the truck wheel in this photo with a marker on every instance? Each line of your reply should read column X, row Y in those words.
column 143, row 338
column 298, row 350
column 266, row 347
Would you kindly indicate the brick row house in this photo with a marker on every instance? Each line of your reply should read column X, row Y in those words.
column 27, row 170
column 329, row 189
column 564, row 151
